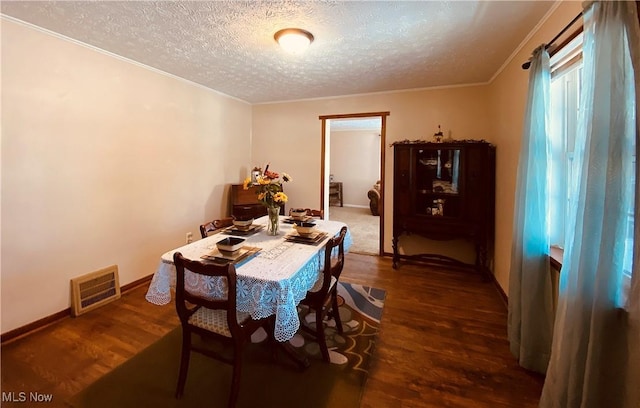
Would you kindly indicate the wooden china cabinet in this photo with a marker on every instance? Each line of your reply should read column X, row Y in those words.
column 445, row 191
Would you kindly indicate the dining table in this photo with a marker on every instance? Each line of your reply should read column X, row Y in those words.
column 271, row 280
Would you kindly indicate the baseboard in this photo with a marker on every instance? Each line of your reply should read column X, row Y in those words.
column 355, row 206
column 136, row 283
column 503, row 295
column 46, row 321
column 34, row 326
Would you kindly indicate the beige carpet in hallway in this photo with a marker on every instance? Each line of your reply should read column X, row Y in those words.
column 364, row 227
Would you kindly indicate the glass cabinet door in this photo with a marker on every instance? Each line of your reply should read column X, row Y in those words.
column 437, row 173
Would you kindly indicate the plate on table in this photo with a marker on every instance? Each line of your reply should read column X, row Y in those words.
column 235, row 257
column 250, row 230
column 291, row 220
column 312, row 239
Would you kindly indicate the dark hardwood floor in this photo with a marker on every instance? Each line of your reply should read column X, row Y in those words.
column 442, row 343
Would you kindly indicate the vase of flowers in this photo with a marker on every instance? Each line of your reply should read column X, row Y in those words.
column 271, row 195
column 273, row 226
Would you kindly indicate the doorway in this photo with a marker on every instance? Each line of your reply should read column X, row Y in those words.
column 349, row 185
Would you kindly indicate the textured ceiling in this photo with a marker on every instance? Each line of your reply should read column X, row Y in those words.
column 359, row 47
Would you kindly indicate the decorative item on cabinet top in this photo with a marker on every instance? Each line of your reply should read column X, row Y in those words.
column 438, row 136
column 255, row 174
column 422, row 141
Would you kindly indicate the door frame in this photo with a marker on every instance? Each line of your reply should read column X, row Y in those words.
column 323, row 152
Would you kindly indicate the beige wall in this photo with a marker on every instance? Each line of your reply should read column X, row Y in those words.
column 103, row 162
column 289, row 134
column 507, row 98
column 355, row 161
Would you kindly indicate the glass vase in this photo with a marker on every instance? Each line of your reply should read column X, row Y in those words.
column 273, row 226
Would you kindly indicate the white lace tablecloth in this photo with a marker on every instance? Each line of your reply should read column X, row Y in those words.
column 274, row 281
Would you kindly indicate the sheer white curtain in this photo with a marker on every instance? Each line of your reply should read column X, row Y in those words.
column 632, row 397
column 530, row 319
column 592, row 360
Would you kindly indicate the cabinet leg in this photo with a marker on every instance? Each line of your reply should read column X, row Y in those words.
column 482, row 262
column 394, row 244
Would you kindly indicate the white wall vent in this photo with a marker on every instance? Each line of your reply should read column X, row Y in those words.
column 94, row 290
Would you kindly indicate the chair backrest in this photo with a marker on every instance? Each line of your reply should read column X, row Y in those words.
column 212, row 226
column 187, row 303
column 333, row 263
column 205, row 229
column 223, row 222
column 315, row 213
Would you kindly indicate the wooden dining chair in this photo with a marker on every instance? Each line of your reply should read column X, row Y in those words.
column 212, row 226
column 315, row 213
column 323, row 297
column 213, row 320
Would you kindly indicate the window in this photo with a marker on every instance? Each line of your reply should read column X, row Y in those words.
column 566, row 76
column 565, row 109
column 566, row 79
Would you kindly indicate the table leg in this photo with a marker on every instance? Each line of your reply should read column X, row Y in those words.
column 301, row 360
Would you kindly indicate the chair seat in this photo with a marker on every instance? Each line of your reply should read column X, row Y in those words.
column 318, row 285
column 215, row 320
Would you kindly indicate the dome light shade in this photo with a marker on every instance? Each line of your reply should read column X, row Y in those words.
column 293, row 40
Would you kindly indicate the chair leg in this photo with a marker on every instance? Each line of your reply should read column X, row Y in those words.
column 235, row 379
column 184, row 362
column 322, row 341
column 335, row 311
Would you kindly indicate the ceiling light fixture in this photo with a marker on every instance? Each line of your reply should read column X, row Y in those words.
column 293, row 40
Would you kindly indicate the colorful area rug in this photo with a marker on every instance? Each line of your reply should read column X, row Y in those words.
column 149, row 378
